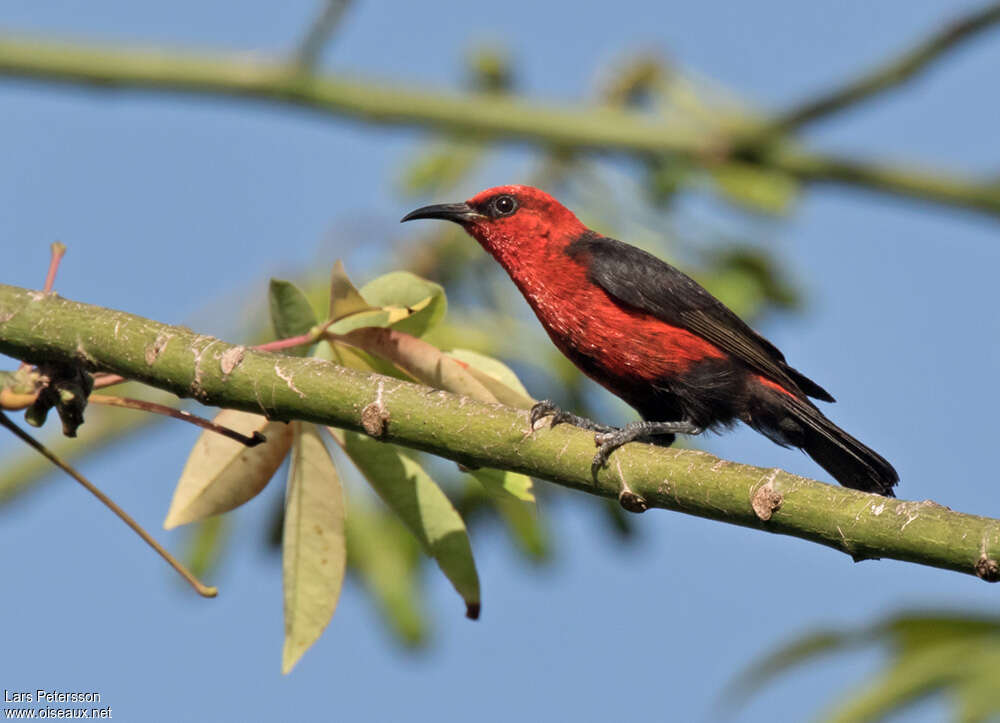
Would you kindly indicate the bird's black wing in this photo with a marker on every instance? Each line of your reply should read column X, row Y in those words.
column 644, row 282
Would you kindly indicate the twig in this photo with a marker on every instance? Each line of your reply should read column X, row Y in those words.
column 319, row 32
column 201, row 589
column 892, row 74
column 107, row 380
column 58, row 251
column 144, row 406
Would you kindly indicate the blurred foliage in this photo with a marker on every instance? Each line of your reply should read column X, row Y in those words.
column 957, row 655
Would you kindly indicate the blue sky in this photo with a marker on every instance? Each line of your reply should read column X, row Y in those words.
column 170, row 204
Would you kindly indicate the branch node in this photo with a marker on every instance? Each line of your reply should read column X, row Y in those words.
column 375, row 417
column 231, row 358
column 987, row 569
column 765, row 502
column 631, row 502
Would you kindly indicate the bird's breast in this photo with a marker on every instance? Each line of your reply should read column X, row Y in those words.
column 611, row 342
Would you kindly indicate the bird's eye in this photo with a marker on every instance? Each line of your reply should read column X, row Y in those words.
column 504, row 205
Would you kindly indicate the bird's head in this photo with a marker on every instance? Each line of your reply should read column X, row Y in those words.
column 509, row 221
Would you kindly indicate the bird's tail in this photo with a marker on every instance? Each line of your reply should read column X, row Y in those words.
column 849, row 461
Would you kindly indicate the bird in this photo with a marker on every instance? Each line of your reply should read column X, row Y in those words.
column 652, row 336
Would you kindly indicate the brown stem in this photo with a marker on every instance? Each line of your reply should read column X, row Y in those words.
column 144, row 406
column 200, row 588
column 58, row 251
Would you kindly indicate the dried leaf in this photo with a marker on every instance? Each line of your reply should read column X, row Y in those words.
column 313, row 550
column 222, row 474
column 423, row 361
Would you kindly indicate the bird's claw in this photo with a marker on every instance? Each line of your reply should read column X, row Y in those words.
column 543, row 409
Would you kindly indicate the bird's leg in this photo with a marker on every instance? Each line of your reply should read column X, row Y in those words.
column 609, row 441
column 548, row 408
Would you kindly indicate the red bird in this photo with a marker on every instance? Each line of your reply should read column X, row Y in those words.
column 652, row 336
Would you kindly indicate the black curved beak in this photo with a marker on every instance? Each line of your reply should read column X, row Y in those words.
column 457, row 212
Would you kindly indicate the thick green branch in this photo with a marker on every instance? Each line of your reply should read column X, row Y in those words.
column 36, row 327
column 582, row 128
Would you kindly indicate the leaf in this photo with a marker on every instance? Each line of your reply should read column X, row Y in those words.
column 205, row 544
column 929, row 653
column 386, row 557
column 495, row 376
column 376, row 316
column 908, row 679
column 313, row 550
column 291, row 313
column 344, row 298
column 524, row 525
column 504, row 483
column 425, row 362
column 403, row 289
column 753, row 187
column 410, row 492
column 221, row 474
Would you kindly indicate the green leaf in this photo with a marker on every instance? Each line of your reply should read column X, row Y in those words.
column 495, row 376
column 755, row 188
column 221, row 474
column 504, row 483
column 524, row 525
column 291, row 313
column 907, row 680
column 387, row 559
column 378, row 317
column 344, row 298
column 205, row 544
column 410, row 492
column 313, row 550
column 929, row 653
column 403, row 289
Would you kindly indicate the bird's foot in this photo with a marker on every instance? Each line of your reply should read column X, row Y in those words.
column 547, row 408
column 610, row 440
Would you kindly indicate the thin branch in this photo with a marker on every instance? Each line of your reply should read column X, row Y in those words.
column 58, row 251
column 890, row 75
column 200, row 588
column 571, row 128
column 154, row 408
column 48, row 328
column 326, row 22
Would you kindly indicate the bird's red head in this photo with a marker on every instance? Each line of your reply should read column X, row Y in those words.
column 514, row 223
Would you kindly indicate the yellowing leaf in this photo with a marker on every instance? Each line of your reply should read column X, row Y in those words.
column 378, row 316
column 222, row 474
column 410, row 492
column 405, row 290
column 344, row 298
column 495, row 376
column 314, row 555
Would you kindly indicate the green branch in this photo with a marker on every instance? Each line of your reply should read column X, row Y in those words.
column 579, row 128
column 897, row 71
column 36, row 327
